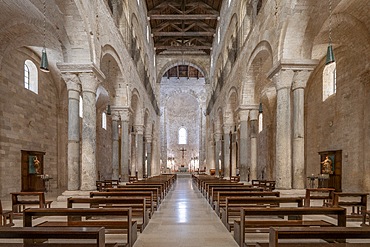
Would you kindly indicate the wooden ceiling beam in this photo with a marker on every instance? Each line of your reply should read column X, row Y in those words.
column 182, row 48
column 162, row 41
column 175, row 8
column 160, row 7
column 183, row 34
column 184, row 17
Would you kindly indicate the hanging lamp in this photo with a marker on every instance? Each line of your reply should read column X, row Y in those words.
column 109, row 112
column 260, row 108
column 330, row 53
column 44, row 58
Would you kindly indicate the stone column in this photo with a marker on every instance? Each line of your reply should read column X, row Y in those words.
column 115, row 146
column 88, row 169
column 243, row 145
column 125, row 116
column 299, row 84
column 133, row 151
column 233, row 154
column 226, row 163
column 139, row 149
column 74, row 89
column 283, row 162
column 149, row 155
column 254, row 131
column 217, row 152
column 210, row 164
column 210, row 147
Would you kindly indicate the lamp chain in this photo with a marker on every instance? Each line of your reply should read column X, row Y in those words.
column 330, row 14
column 44, row 24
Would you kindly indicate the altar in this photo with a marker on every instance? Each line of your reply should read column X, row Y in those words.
column 183, row 169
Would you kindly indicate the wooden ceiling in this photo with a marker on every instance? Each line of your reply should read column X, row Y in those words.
column 183, row 26
column 183, row 71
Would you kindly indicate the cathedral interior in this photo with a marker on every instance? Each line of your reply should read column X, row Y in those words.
column 259, row 89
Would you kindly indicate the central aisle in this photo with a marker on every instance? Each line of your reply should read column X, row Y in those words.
column 185, row 219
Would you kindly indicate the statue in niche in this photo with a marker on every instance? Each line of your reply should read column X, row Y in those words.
column 327, row 166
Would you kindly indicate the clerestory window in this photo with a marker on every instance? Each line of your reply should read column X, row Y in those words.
column 30, row 76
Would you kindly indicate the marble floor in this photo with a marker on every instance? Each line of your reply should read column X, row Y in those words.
column 185, row 219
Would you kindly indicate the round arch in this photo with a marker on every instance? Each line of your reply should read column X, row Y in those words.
column 176, row 62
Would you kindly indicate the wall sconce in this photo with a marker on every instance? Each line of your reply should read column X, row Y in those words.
column 260, row 108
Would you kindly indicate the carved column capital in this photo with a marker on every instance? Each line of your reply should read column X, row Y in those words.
column 244, row 115
column 72, row 82
column 227, row 128
column 139, row 129
column 300, row 79
column 124, row 114
column 115, row 116
column 283, row 79
column 253, row 115
column 89, row 82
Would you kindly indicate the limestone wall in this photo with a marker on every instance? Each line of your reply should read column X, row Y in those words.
column 29, row 121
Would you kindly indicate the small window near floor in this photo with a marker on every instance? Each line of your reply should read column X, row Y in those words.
column 30, row 76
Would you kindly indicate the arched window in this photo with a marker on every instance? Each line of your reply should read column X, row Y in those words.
column 104, row 120
column 81, row 110
column 218, row 35
column 260, row 118
column 182, row 136
column 329, row 81
column 30, row 76
column 260, row 122
column 26, row 76
column 147, row 33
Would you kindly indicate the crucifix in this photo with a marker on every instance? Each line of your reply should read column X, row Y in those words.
column 183, row 150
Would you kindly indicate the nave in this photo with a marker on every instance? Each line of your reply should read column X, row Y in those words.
column 185, row 219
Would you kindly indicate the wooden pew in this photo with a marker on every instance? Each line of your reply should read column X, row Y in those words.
column 209, row 186
column 28, row 199
column 245, row 224
column 137, row 185
column 222, row 195
column 356, row 201
column 137, row 205
column 29, row 234
column 148, row 195
column 326, row 195
column 156, row 192
column 332, row 233
column 234, row 204
column 114, row 220
column 6, row 217
column 216, row 189
column 222, row 185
